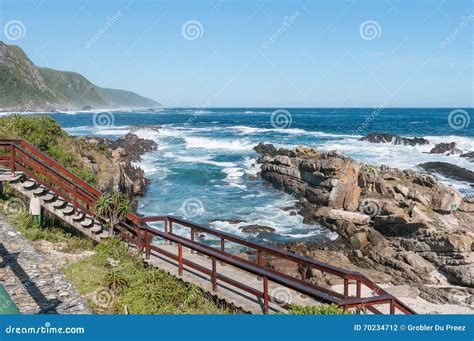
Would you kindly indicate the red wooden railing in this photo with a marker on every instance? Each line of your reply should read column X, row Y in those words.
column 19, row 155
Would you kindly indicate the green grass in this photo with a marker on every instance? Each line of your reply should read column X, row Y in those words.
column 51, row 231
column 316, row 310
column 131, row 284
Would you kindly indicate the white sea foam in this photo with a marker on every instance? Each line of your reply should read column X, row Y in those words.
column 247, row 130
column 210, row 143
column 98, row 130
column 202, row 159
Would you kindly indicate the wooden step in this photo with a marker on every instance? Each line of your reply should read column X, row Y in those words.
column 59, row 203
column 28, row 184
column 40, row 191
column 78, row 216
column 49, row 197
column 97, row 228
column 87, row 222
column 68, row 210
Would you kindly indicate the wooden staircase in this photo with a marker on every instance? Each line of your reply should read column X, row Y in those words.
column 55, row 204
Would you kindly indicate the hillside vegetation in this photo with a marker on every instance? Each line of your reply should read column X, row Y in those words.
column 25, row 87
column 46, row 134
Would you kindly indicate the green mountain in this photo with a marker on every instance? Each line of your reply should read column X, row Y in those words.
column 25, row 87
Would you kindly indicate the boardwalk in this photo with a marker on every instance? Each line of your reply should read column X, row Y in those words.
column 230, row 294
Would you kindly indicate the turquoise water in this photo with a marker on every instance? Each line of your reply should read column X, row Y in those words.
column 205, row 166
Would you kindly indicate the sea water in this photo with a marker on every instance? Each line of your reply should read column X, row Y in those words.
column 205, row 170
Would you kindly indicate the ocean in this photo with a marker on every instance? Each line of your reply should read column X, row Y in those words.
column 205, row 170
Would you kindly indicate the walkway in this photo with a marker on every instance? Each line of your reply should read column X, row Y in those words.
column 230, row 294
column 33, row 282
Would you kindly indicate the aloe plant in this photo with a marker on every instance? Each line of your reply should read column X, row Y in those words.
column 114, row 206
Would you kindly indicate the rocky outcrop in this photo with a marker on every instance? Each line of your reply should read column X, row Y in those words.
column 394, row 139
column 256, row 229
column 446, row 148
column 449, row 170
column 112, row 162
column 403, row 223
column 468, row 155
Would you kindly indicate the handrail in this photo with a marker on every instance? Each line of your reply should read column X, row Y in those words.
column 140, row 232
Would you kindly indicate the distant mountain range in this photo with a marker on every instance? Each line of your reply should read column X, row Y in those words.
column 26, row 87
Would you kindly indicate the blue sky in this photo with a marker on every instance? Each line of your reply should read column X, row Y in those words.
column 319, row 55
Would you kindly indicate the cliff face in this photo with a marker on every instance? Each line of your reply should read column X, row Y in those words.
column 403, row 223
column 111, row 162
column 25, row 87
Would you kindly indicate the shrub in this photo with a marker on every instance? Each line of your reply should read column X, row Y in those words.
column 316, row 310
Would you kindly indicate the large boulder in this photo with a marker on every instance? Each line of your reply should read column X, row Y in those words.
column 449, row 170
column 352, row 217
column 445, row 148
column 394, row 139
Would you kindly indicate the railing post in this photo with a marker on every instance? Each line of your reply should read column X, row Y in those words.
column 265, row 295
column 222, row 245
column 147, row 245
column 346, row 287
column 392, row 306
column 170, row 230
column 259, row 261
column 214, row 275
column 166, row 231
column 75, row 196
column 358, row 294
column 192, row 237
column 180, row 259
column 12, row 159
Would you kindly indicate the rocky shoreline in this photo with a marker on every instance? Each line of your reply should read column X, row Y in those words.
column 112, row 162
column 404, row 225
